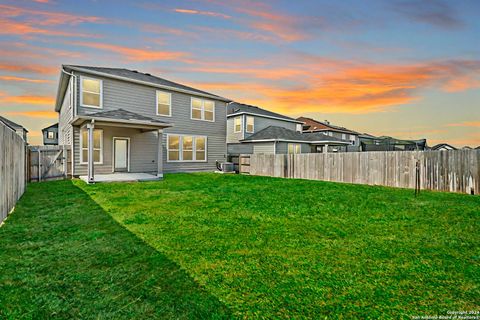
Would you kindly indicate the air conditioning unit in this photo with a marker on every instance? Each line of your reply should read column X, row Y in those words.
column 225, row 166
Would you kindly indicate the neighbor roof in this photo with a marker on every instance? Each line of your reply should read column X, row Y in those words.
column 315, row 125
column 134, row 76
column 234, row 108
column 440, row 145
column 52, row 126
column 284, row 134
column 12, row 125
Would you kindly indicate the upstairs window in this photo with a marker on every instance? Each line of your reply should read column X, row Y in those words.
column 50, row 135
column 91, row 92
column 237, row 124
column 294, row 148
column 299, row 127
column 164, row 103
column 250, row 124
column 203, row 109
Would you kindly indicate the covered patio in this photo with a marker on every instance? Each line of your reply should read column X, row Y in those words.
column 119, row 145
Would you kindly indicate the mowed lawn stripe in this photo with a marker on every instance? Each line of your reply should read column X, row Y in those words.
column 272, row 247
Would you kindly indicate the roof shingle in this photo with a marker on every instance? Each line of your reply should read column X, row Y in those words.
column 280, row 133
column 236, row 107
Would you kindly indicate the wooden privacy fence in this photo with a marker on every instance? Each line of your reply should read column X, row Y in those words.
column 12, row 169
column 48, row 162
column 454, row 171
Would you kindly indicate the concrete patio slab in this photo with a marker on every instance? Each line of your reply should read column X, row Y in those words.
column 123, row 177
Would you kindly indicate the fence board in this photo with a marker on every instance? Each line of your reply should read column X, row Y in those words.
column 49, row 162
column 12, row 169
column 454, row 171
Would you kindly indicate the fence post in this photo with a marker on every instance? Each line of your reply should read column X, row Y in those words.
column 39, row 165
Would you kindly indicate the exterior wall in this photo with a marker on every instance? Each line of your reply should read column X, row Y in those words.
column 143, row 150
column 65, row 130
column 345, row 136
column 232, row 136
column 260, row 123
column 47, row 141
column 239, row 148
column 263, row 147
column 282, row 148
column 141, row 99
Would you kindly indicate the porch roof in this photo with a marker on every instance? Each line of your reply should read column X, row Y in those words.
column 121, row 116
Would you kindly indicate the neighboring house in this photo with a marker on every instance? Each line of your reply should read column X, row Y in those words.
column 312, row 125
column 245, row 120
column 119, row 120
column 20, row 130
column 385, row 143
column 50, row 135
column 280, row 140
column 467, row 148
column 443, row 147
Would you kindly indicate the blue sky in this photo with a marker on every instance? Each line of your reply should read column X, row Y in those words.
column 410, row 69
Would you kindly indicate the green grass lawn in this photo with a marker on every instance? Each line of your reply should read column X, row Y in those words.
column 222, row 246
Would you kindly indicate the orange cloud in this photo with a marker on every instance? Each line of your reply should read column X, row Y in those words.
column 21, row 28
column 204, row 13
column 465, row 124
column 135, row 54
column 29, row 68
column 27, row 99
column 461, row 84
column 334, row 86
column 34, row 114
column 21, row 79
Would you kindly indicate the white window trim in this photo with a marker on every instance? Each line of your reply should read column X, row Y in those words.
column 180, row 148
column 235, row 126
column 202, row 109
column 246, row 124
column 169, row 106
column 53, row 135
column 81, row 93
column 81, row 147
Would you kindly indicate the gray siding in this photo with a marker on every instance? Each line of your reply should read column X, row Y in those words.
column 240, row 148
column 232, row 136
column 143, row 150
column 282, row 148
column 141, row 99
column 263, row 147
column 65, row 130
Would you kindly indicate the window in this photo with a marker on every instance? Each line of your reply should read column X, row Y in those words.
column 50, row 135
column 250, row 124
column 164, row 103
column 237, row 123
column 344, row 136
column 203, row 109
column 186, row 148
column 97, row 146
column 330, row 133
column 352, row 139
column 299, row 127
column 294, row 148
column 91, row 95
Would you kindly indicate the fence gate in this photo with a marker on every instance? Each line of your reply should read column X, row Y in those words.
column 49, row 162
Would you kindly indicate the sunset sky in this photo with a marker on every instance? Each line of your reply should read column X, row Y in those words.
column 409, row 69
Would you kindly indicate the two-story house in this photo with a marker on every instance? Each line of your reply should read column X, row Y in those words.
column 50, row 135
column 119, row 120
column 251, row 130
column 312, row 125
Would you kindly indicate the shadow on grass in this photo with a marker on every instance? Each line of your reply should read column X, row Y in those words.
column 62, row 256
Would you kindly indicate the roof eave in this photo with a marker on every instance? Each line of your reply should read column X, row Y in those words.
column 262, row 115
column 77, row 119
column 103, row 74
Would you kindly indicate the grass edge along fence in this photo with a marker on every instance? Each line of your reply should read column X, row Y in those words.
column 451, row 171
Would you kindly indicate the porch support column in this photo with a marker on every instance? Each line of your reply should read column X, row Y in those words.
column 160, row 155
column 325, row 149
column 91, row 171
